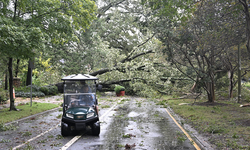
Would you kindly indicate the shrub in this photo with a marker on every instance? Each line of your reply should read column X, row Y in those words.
column 45, row 90
column 22, row 89
column 245, row 94
column 247, row 85
column 27, row 88
column 3, row 96
column 119, row 88
column 129, row 90
column 35, row 88
column 27, row 94
column 53, row 90
column 49, row 90
column 36, row 91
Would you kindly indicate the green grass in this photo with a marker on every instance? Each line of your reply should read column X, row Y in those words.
column 247, row 84
column 226, row 121
column 123, row 100
column 24, row 111
column 105, row 106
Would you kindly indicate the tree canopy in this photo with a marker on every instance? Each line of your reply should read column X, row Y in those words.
column 150, row 46
column 28, row 26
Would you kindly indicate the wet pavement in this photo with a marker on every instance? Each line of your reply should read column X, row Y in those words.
column 20, row 132
column 136, row 124
column 132, row 123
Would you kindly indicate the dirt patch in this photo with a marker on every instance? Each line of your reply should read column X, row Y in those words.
column 244, row 122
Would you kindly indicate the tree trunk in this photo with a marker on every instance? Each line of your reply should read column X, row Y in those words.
column 12, row 101
column 210, row 84
column 247, row 16
column 231, row 85
column 210, row 92
column 17, row 67
column 6, row 80
column 194, row 88
column 29, row 76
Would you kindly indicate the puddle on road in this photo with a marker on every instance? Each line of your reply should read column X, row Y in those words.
column 133, row 114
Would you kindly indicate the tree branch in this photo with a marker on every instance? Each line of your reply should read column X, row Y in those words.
column 121, row 81
column 102, row 71
column 140, row 46
column 106, row 8
column 138, row 55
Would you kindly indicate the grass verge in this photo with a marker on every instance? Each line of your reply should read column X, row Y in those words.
column 225, row 123
column 24, row 111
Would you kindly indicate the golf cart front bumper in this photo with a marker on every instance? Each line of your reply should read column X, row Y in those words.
column 78, row 124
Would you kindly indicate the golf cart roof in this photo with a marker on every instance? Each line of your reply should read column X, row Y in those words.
column 79, row 77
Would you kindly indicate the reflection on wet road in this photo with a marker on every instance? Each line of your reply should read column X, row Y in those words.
column 136, row 124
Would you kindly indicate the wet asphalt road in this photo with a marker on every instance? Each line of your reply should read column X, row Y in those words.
column 133, row 123
column 136, row 124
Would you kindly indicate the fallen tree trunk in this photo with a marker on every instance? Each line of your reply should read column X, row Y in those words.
column 245, row 105
column 105, row 70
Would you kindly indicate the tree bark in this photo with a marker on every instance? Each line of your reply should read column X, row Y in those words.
column 28, row 79
column 17, row 67
column 12, row 101
column 211, row 96
column 99, row 72
column 194, row 88
column 6, row 80
column 29, row 76
column 210, row 92
column 231, row 84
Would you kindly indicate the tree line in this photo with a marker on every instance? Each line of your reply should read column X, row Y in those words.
column 151, row 46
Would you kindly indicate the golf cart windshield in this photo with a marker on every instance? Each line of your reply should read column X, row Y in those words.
column 79, row 93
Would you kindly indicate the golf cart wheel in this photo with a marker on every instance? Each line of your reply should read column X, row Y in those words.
column 64, row 131
column 96, row 128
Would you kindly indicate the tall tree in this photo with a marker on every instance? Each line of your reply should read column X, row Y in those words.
column 26, row 25
column 202, row 45
column 119, row 46
column 245, row 7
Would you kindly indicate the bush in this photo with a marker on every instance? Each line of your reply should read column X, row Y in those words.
column 129, row 90
column 22, row 89
column 3, row 96
column 36, row 91
column 27, row 94
column 45, row 90
column 49, row 90
column 35, row 88
column 53, row 90
column 27, row 88
column 245, row 94
column 247, row 84
column 119, row 88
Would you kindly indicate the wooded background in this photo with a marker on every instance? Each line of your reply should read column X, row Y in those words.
column 151, row 47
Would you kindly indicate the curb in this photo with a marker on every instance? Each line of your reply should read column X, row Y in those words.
column 200, row 140
column 31, row 116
